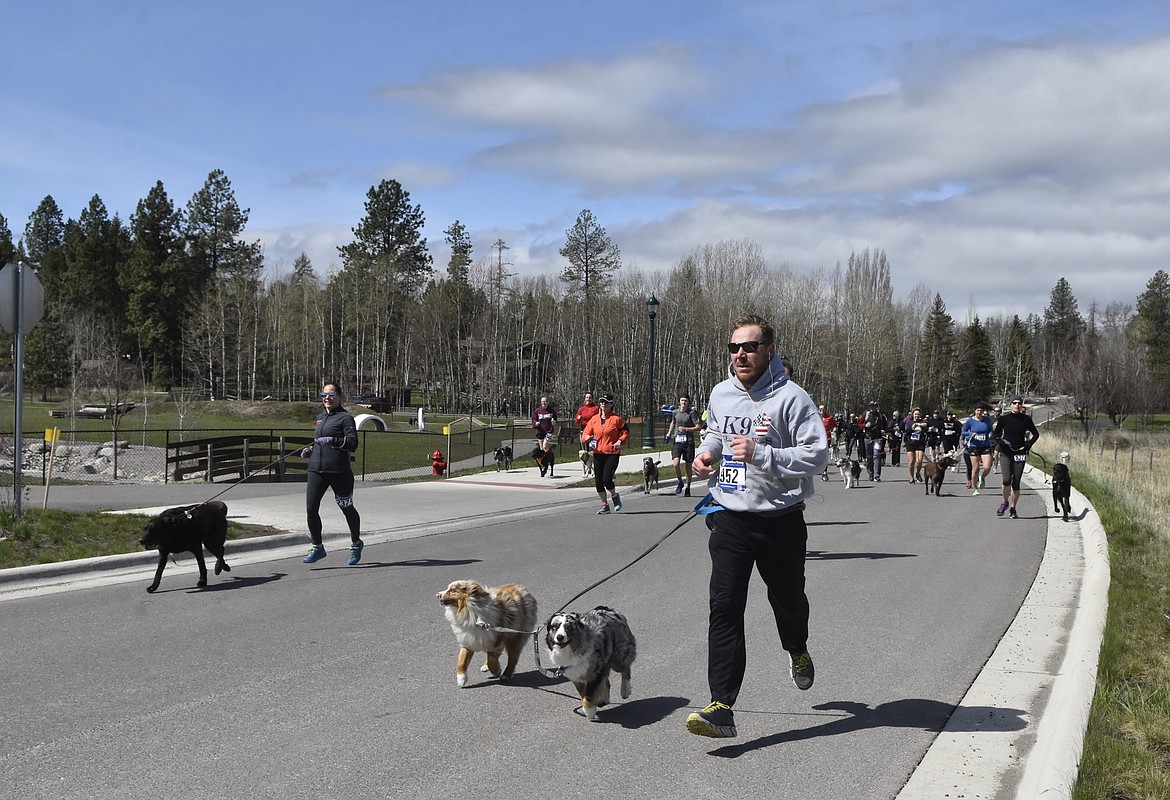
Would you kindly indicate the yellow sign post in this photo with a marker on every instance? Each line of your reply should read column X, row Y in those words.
column 52, row 436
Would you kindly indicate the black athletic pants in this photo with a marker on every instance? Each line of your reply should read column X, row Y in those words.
column 342, row 485
column 775, row 546
column 604, row 467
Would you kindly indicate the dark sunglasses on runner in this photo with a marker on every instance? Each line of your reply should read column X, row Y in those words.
column 323, row 395
column 748, row 347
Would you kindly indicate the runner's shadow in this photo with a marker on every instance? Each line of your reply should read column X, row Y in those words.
column 917, row 713
column 411, row 562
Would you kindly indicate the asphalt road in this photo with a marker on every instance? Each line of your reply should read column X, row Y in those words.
column 285, row 680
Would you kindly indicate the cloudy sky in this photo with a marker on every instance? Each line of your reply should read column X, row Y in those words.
column 989, row 148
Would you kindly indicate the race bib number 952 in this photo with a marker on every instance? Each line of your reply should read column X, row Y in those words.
column 732, row 475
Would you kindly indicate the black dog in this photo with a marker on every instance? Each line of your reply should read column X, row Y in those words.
column 503, row 457
column 1061, row 489
column 188, row 529
column 545, row 460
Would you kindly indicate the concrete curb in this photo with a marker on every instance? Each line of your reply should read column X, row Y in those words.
column 129, row 563
column 1023, row 720
column 1054, row 762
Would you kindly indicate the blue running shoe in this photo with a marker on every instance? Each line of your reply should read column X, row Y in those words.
column 316, row 553
column 617, row 502
column 355, row 552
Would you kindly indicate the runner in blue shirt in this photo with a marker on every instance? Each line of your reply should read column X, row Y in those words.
column 977, row 434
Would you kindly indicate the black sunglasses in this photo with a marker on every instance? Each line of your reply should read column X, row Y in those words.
column 323, row 395
column 748, row 347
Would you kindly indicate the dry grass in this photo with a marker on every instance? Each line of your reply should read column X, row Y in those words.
column 1127, row 744
column 1133, row 465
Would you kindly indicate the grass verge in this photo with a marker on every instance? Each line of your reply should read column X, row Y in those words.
column 1127, row 742
column 45, row 537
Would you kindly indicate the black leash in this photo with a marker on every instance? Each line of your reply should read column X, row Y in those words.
column 704, row 506
column 234, row 484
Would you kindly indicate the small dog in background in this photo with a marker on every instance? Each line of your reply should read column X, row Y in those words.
column 188, row 529
column 1061, row 487
column 649, row 474
column 933, row 472
column 503, row 458
column 850, row 471
column 586, row 459
column 587, row 647
column 545, row 459
column 471, row 607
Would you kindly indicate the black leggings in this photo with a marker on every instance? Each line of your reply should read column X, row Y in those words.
column 342, row 485
column 604, row 467
column 1011, row 470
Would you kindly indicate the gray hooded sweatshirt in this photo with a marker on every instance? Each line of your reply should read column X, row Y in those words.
column 791, row 445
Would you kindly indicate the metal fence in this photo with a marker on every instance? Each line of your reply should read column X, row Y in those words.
column 262, row 455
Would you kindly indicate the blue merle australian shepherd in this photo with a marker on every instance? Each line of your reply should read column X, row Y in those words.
column 587, row 647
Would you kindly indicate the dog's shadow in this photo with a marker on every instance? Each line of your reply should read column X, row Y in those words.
column 235, row 582
column 916, row 713
column 630, row 714
column 634, row 714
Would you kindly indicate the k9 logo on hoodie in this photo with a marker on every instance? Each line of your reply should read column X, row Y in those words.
column 758, row 427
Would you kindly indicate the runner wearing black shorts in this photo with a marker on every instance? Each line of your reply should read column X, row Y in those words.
column 681, row 432
column 914, row 440
column 1016, row 433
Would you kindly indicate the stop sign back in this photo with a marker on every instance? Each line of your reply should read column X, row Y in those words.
column 31, row 299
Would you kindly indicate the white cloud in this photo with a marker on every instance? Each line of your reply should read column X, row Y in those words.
column 986, row 178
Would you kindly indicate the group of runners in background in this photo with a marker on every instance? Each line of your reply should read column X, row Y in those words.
column 973, row 442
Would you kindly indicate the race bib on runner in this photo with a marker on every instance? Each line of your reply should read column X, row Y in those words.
column 1020, row 457
column 682, row 438
column 732, row 475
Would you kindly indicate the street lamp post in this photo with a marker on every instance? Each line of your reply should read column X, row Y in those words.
column 648, row 440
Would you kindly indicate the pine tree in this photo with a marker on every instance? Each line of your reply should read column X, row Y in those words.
column 224, row 273
column 384, row 269
column 1063, row 325
column 156, row 292
column 1151, row 326
column 937, row 356
column 7, row 248
column 458, row 268
column 975, row 368
column 95, row 248
column 592, row 257
column 1018, row 372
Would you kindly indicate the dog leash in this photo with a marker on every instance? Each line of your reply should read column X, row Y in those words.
column 703, row 507
column 234, row 484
